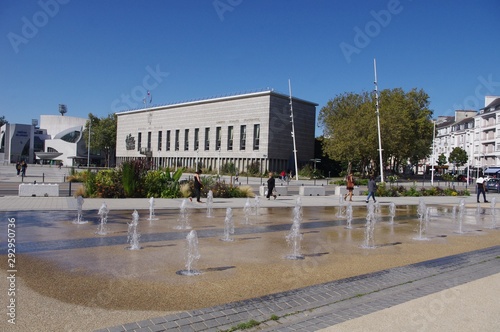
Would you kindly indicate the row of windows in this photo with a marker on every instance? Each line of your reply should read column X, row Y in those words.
column 218, row 139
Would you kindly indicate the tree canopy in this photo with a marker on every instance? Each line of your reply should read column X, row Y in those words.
column 103, row 134
column 3, row 120
column 349, row 122
column 458, row 156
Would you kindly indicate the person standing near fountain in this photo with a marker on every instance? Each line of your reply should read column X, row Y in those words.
column 271, row 183
column 372, row 188
column 480, row 188
column 197, row 186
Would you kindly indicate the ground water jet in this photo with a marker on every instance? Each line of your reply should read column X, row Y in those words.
column 102, row 229
column 493, row 212
column 294, row 237
column 341, row 212
column 79, row 214
column 369, row 241
column 423, row 218
column 133, row 233
column 256, row 205
column 210, row 204
column 191, row 255
column 461, row 215
column 247, row 211
column 228, row 225
column 183, row 219
column 152, row 209
column 348, row 213
column 392, row 212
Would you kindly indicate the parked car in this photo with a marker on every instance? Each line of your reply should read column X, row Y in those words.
column 493, row 185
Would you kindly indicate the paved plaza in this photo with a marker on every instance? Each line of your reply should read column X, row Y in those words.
column 456, row 290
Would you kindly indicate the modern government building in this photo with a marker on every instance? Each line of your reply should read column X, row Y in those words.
column 245, row 129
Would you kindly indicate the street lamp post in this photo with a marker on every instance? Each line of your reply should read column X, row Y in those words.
column 218, row 164
column 88, row 149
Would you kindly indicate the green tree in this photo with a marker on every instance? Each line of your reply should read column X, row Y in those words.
column 441, row 160
column 458, row 157
column 350, row 128
column 3, row 121
column 102, row 136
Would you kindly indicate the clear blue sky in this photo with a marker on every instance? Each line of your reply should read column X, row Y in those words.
column 90, row 54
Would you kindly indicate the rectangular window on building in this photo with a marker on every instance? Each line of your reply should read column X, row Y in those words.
column 256, row 136
column 218, row 134
column 149, row 141
column 139, row 141
column 159, row 140
column 186, row 139
column 196, row 139
column 230, row 130
column 167, row 147
column 207, row 139
column 177, row 140
column 243, row 137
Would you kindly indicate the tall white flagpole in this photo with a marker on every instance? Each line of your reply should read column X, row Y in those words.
column 433, row 156
column 293, row 133
column 378, row 123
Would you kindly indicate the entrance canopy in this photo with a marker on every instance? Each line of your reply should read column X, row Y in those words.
column 492, row 171
column 48, row 155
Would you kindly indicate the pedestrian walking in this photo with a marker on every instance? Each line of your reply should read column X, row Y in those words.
column 197, row 187
column 23, row 168
column 350, row 187
column 18, row 168
column 271, row 184
column 372, row 188
column 480, row 188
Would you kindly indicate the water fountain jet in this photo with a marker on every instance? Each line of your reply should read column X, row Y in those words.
column 79, row 216
column 210, row 204
column 228, row 225
column 152, row 209
column 183, row 216
column 133, row 234
column 102, row 229
column 191, row 255
column 294, row 237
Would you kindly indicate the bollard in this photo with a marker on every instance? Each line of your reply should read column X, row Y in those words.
column 69, row 191
column 43, row 177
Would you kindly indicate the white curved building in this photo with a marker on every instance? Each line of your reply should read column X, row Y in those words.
column 64, row 142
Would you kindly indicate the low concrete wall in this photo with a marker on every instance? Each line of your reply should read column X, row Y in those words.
column 312, row 191
column 39, row 190
column 342, row 190
column 281, row 190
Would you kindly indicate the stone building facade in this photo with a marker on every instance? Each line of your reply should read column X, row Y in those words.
column 247, row 129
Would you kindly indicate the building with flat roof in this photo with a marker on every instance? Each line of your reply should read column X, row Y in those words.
column 246, row 129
